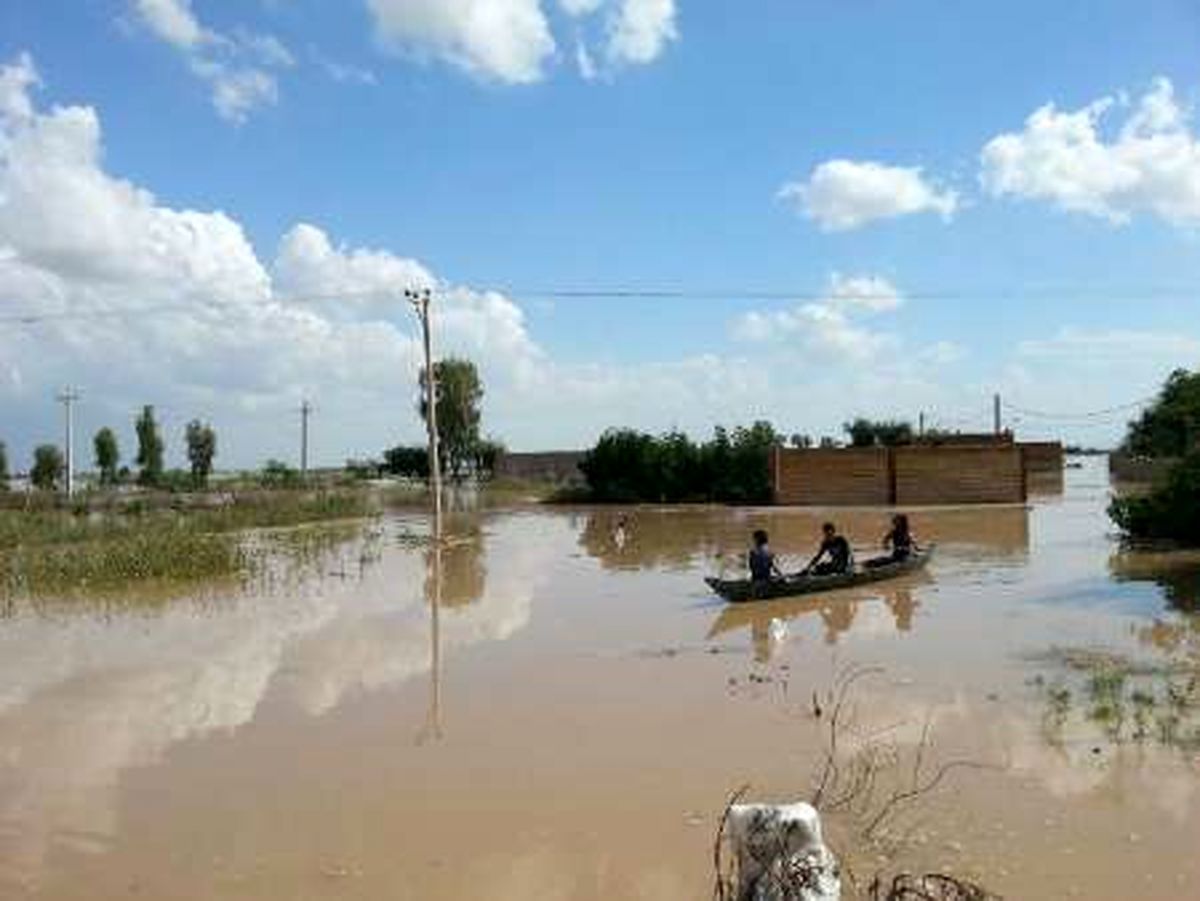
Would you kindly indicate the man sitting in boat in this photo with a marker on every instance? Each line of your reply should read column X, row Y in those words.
column 837, row 548
column 762, row 561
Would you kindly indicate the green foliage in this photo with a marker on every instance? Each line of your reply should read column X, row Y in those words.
column 150, row 448
column 3, row 467
column 48, row 467
column 628, row 466
column 884, row 433
column 1170, row 511
column 412, row 462
column 361, row 470
column 201, row 449
column 277, row 474
column 107, row 455
column 1171, row 427
column 459, row 394
column 486, row 455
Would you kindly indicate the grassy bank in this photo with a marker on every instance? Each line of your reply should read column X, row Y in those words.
column 50, row 551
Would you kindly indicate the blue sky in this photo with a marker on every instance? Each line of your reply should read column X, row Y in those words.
column 1056, row 266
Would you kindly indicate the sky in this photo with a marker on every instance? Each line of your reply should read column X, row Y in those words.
column 648, row 213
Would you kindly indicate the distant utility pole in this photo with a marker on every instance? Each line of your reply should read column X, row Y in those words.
column 305, row 411
column 420, row 301
column 921, row 425
column 996, row 412
column 67, row 399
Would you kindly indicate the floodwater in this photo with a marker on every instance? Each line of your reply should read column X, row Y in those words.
column 568, row 722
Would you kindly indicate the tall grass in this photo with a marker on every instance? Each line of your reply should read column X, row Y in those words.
column 44, row 551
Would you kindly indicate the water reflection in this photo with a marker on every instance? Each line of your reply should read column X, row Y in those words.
column 768, row 620
column 679, row 538
column 1177, row 573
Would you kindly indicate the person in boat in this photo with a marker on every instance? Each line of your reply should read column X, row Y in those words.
column 763, row 567
column 899, row 541
column 836, row 548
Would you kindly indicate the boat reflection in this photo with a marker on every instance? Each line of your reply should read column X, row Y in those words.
column 837, row 610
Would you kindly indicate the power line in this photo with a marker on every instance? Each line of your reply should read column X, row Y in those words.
column 1091, row 414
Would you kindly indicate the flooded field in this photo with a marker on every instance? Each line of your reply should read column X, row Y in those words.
column 570, row 719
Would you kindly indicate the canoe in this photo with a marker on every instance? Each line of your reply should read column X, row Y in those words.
column 738, row 590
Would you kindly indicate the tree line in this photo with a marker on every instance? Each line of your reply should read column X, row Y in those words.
column 48, row 467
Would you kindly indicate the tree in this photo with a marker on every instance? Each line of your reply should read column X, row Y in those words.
column 1171, row 426
column 3, row 467
column 403, row 460
column 884, row 433
column 1171, row 510
column 150, row 447
column 107, row 455
column 459, row 393
column 48, row 467
column 201, row 448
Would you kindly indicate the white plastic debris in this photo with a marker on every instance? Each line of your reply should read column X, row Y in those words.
column 781, row 855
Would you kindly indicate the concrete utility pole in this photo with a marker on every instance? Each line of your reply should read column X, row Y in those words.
column 921, row 425
column 305, row 410
column 996, row 412
column 420, row 301
column 67, row 399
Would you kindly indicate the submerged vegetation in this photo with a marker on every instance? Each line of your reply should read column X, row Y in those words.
column 46, row 551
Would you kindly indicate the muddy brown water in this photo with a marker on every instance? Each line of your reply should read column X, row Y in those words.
column 568, row 722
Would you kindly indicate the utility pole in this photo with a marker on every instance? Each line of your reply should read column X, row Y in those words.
column 67, row 399
column 996, row 413
column 305, row 410
column 921, row 424
column 420, row 301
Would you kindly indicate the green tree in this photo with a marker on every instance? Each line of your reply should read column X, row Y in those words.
column 409, row 461
column 1171, row 510
column 201, row 449
column 107, row 455
column 3, row 467
column 884, row 433
column 150, row 447
column 48, row 467
column 1171, row 426
column 459, row 394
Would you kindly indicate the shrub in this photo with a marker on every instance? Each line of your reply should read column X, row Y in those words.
column 1171, row 510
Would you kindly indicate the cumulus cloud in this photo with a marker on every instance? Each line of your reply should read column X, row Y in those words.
column 843, row 194
column 829, row 326
column 88, row 252
column 505, row 40
column 634, row 32
column 237, row 67
column 640, row 30
column 1151, row 164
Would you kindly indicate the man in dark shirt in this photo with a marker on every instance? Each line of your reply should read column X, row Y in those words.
column 838, row 550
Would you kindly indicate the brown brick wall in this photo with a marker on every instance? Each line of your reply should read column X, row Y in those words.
column 1043, row 456
column 959, row 475
column 835, row 478
column 909, row 476
column 549, row 466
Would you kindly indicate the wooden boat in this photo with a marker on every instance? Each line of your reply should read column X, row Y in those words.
column 738, row 590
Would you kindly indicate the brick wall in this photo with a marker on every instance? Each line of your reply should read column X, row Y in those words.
column 908, row 476
column 1043, row 456
column 959, row 475
column 836, row 478
column 549, row 466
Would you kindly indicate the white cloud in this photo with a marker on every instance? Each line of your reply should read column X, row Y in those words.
column 829, row 326
column 580, row 7
column 505, row 40
column 843, row 194
column 172, row 20
column 1150, row 165
column 640, row 30
column 1103, row 348
column 236, row 67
